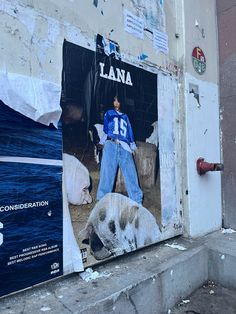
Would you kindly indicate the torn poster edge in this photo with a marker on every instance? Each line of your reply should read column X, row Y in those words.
column 36, row 99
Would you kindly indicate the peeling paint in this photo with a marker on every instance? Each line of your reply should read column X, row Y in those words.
column 74, row 35
column 24, row 15
column 53, row 30
column 45, row 36
column 153, row 13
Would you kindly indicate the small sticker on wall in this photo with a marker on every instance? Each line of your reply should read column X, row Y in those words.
column 199, row 60
column 84, row 255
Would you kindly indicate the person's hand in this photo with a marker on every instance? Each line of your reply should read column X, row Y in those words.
column 133, row 147
column 134, row 151
column 99, row 147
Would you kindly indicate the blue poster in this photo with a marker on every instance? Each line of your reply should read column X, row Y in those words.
column 23, row 137
column 31, row 215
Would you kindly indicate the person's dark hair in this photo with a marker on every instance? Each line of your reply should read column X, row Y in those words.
column 118, row 98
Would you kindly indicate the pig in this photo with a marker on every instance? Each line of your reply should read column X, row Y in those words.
column 118, row 225
column 153, row 138
column 77, row 181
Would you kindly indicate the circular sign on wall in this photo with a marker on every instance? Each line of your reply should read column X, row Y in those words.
column 199, row 60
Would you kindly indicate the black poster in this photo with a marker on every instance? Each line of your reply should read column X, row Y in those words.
column 117, row 208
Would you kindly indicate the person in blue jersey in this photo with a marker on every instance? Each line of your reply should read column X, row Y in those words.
column 118, row 146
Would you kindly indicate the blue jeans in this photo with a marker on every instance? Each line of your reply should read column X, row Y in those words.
column 113, row 156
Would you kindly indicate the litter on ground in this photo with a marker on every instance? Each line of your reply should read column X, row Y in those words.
column 89, row 275
column 176, row 246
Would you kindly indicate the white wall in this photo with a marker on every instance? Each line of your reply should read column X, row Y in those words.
column 203, row 212
column 32, row 34
column 204, row 192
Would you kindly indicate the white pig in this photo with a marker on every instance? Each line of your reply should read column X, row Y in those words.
column 77, row 181
column 117, row 225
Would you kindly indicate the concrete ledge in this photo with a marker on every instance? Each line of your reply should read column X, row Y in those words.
column 165, row 284
column 149, row 281
column 222, row 259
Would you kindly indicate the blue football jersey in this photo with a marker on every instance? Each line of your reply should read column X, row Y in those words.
column 117, row 126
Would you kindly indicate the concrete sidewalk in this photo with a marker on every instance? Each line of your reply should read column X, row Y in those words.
column 209, row 299
column 151, row 280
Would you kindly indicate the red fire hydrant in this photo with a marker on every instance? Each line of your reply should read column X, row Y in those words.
column 203, row 166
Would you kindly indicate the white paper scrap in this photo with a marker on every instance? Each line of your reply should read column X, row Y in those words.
column 45, row 309
column 160, row 41
column 176, row 246
column 185, row 301
column 228, row 231
column 133, row 24
column 89, row 275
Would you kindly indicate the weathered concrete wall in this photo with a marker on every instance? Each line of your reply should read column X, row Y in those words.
column 201, row 30
column 202, row 193
column 38, row 28
column 32, row 35
column 226, row 12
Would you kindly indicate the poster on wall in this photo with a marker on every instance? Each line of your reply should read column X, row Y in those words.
column 111, row 152
column 31, row 215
